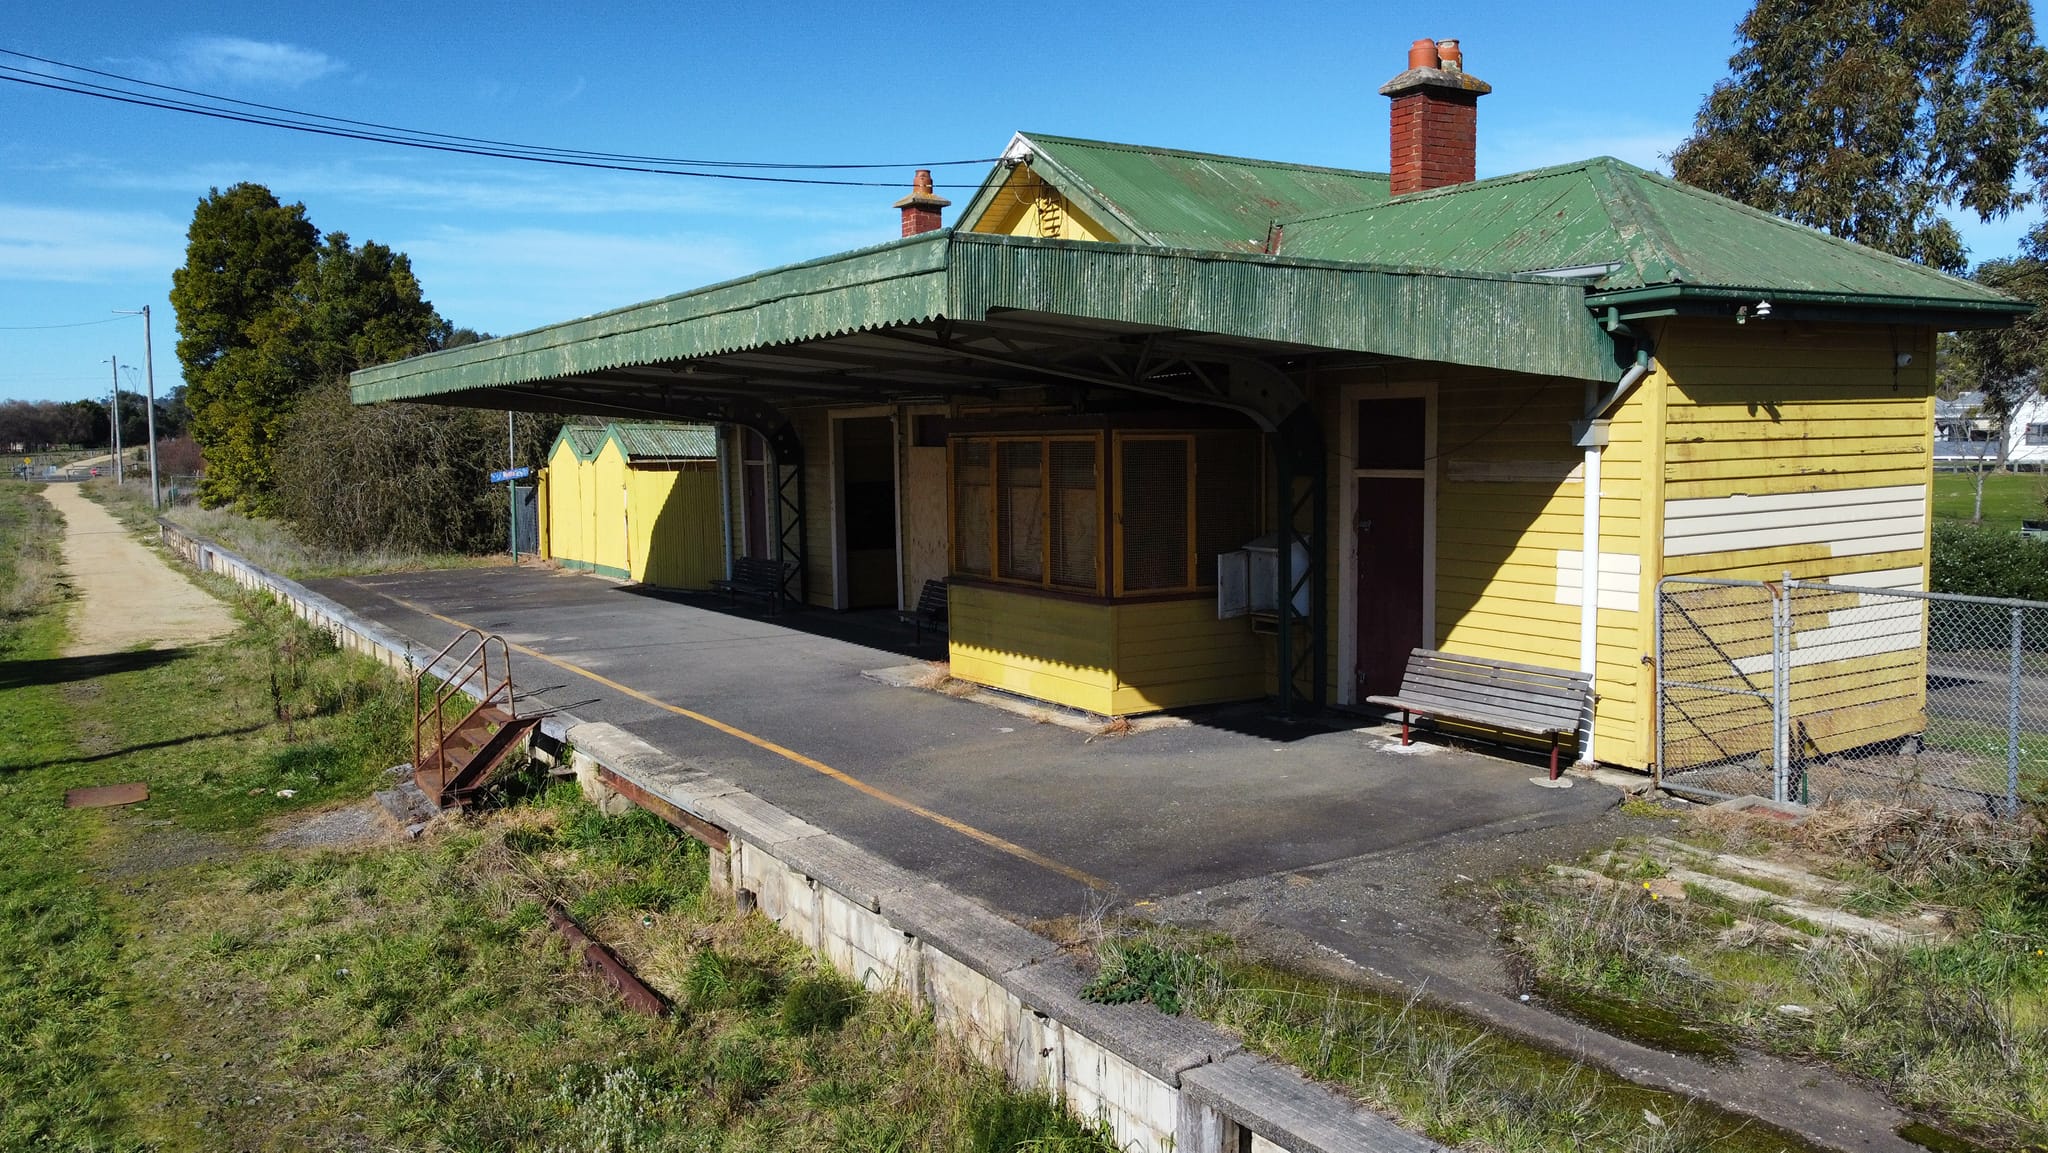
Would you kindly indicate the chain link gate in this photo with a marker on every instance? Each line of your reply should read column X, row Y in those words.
column 1808, row 691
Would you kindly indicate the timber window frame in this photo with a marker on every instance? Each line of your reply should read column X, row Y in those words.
column 1010, row 532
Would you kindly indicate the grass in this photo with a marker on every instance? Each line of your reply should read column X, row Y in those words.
column 2009, row 497
column 1954, row 1026
column 267, row 543
column 168, row 983
column 1431, row 1068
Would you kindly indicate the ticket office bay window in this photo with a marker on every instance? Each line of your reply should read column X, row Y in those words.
column 1028, row 510
column 1182, row 499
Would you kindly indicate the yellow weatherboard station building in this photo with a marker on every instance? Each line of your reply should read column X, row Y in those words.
column 635, row 502
column 1482, row 416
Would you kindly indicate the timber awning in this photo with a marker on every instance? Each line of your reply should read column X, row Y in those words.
column 948, row 314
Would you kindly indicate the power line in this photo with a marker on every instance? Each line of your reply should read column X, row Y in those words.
column 273, row 116
column 47, row 327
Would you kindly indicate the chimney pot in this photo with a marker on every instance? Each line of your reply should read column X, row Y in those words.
column 1423, row 54
column 1453, row 59
column 923, row 208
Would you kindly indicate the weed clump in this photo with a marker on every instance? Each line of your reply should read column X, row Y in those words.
column 1007, row 1122
column 718, row 981
column 822, row 1001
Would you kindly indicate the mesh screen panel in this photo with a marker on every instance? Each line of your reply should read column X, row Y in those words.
column 1076, row 520
column 1227, row 494
column 971, row 495
column 1153, row 514
column 1020, row 510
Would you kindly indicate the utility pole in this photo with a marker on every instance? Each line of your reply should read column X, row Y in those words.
column 512, row 486
column 116, row 362
column 149, row 376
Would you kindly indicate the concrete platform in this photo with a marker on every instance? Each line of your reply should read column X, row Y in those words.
column 1036, row 820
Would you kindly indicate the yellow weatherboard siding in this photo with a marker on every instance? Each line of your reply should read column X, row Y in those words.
column 673, row 515
column 658, row 525
column 1808, row 449
column 1027, row 206
column 1107, row 658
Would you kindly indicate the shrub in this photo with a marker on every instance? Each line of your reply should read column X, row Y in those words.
column 1989, row 562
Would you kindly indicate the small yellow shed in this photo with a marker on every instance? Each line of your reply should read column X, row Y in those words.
column 637, row 502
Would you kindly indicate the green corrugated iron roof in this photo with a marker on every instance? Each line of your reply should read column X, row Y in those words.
column 586, row 441
column 667, row 441
column 1172, row 198
column 1626, row 230
column 1520, row 324
column 640, row 441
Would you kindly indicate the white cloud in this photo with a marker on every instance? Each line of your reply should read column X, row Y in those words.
column 237, row 60
column 61, row 244
column 254, row 62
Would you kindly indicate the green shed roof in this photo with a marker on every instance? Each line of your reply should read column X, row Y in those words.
column 1630, row 232
column 640, row 440
column 1171, row 198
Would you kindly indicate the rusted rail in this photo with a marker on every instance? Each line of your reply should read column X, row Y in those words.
column 606, row 965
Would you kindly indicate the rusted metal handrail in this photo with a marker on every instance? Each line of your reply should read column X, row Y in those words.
column 476, row 663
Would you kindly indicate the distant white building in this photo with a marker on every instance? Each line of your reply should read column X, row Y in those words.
column 1965, row 436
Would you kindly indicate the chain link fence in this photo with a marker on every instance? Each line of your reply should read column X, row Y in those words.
column 1806, row 691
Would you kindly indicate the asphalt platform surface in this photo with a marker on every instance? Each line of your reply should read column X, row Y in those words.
column 1157, row 816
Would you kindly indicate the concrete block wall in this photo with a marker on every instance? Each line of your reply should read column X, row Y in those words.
column 1161, row 1083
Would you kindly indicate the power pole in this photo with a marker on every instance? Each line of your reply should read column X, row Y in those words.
column 512, row 486
column 116, row 362
column 149, row 374
column 149, row 377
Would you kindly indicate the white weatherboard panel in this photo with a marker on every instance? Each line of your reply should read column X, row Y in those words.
column 1620, row 579
column 1875, row 625
column 1850, row 522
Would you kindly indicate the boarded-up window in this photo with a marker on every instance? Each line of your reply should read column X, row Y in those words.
column 1227, row 496
column 1020, row 509
column 1153, row 511
column 1076, row 514
column 973, row 551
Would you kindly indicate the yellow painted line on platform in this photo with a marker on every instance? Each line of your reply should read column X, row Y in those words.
column 888, row 798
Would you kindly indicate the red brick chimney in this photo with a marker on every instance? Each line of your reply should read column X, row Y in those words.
column 1436, row 118
column 922, row 209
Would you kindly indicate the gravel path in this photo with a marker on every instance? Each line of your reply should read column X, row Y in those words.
column 127, row 597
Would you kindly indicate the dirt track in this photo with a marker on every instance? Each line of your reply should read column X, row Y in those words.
column 128, row 597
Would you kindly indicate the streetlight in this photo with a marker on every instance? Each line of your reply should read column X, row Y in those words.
column 149, row 372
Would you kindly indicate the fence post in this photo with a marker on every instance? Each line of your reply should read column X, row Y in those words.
column 2012, row 716
column 1781, row 693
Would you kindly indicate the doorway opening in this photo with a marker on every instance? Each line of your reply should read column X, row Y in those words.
column 867, row 510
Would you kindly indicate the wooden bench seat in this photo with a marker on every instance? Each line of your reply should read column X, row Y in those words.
column 760, row 578
column 930, row 612
column 1526, row 699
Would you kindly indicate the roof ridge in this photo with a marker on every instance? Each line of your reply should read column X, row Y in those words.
column 1447, row 190
column 1152, row 149
column 1626, row 209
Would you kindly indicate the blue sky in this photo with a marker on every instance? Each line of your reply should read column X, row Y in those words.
column 95, row 196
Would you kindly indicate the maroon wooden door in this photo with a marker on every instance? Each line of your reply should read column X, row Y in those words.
column 1391, row 439
column 1389, row 580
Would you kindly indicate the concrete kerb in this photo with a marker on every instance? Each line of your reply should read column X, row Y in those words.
column 1160, row 1082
